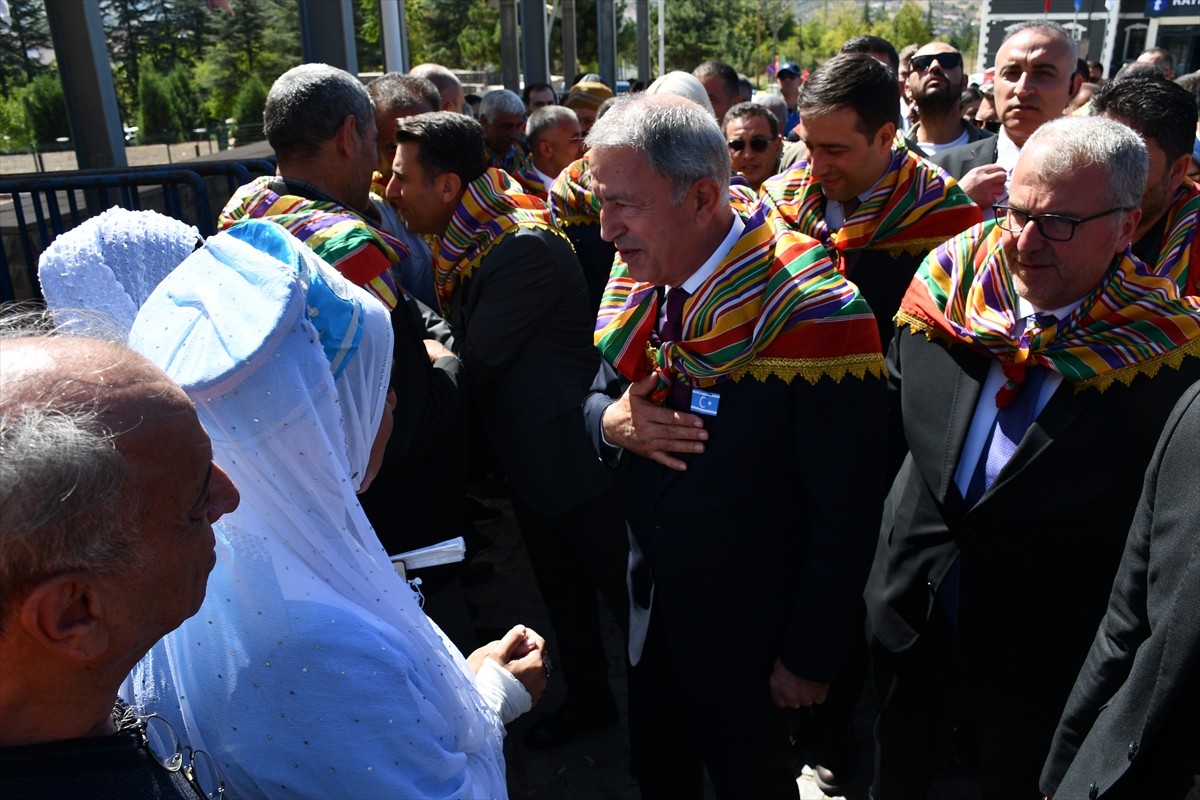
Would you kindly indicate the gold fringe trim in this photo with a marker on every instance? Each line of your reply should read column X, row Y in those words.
column 911, row 247
column 564, row 222
column 1149, row 368
column 813, row 369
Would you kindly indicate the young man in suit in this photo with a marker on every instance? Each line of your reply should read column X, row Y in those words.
column 514, row 294
column 747, row 406
column 1039, row 363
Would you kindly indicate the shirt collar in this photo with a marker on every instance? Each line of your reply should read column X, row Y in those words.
column 1007, row 151
column 718, row 256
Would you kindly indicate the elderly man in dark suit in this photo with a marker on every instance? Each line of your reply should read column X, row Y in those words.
column 1035, row 79
column 513, row 291
column 1129, row 728
column 1045, row 361
column 751, row 518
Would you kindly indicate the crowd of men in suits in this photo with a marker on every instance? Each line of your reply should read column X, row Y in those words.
column 891, row 412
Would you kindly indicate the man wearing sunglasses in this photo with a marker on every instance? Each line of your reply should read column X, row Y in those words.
column 755, row 146
column 1038, row 367
column 936, row 81
column 1035, row 79
column 106, row 547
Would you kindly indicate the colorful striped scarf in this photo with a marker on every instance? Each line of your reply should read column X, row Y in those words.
column 775, row 306
column 343, row 238
column 492, row 207
column 1180, row 248
column 914, row 207
column 531, row 183
column 571, row 200
column 1134, row 322
column 515, row 161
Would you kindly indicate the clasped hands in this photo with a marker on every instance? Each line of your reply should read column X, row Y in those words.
column 521, row 652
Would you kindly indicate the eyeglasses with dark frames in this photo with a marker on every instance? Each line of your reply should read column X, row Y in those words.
column 947, row 60
column 1055, row 227
column 160, row 740
column 758, row 144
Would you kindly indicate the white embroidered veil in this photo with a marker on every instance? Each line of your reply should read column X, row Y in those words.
column 310, row 670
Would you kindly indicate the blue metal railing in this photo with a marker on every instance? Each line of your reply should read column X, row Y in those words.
column 45, row 205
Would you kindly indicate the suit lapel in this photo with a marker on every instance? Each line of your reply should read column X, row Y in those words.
column 971, row 374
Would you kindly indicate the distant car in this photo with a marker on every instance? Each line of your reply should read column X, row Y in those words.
column 622, row 87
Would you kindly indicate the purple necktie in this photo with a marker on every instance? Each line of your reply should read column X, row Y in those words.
column 680, row 397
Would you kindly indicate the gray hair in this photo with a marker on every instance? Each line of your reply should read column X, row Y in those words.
column 308, row 104
column 501, row 101
column 682, row 142
column 64, row 493
column 1049, row 28
column 544, row 119
column 393, row 91
column 1072, row 143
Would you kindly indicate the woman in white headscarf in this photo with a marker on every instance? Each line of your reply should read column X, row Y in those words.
column 310, row 670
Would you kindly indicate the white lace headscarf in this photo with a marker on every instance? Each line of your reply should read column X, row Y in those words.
column 310, row 670
column 101, row 272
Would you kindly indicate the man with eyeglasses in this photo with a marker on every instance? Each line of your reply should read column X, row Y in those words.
column 554, row 141
column 936, row 80
column 1035, row 362
column 1035, row 78
column 877, row 206
column 752, row 133
column 106, row 547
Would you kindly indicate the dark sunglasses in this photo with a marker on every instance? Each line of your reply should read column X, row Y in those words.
column 947, row 60
column 758, row 144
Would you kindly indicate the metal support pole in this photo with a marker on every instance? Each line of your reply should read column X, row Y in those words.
column 86, row 74
column 510, row 69
column 536, row 61
column 570, row 57
column 393, row 24
column 327, row 33
column 643, row 40
column 606, row 41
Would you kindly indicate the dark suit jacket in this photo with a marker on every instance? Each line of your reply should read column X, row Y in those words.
column 768, row 533
column 958, row 161
column 1131, row 727
column 523, row 325
column 1037, row 552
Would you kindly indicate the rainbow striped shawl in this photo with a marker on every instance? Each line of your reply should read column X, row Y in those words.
column 571, row 200
column 914, row 208
column 361, row 253
column 514, row 161
column 775, row 306
column 1135, row 321
column 531, row 183
column 1180, row 249
column 492, row 207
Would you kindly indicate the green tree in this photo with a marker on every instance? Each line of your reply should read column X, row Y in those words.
column 27, row 32
column 46, row 108
column 909, row 25
column 16, row 135
column 261, row 39
column 125, row 24
column 158, row 121
column 479, row 42
column 248, row 109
